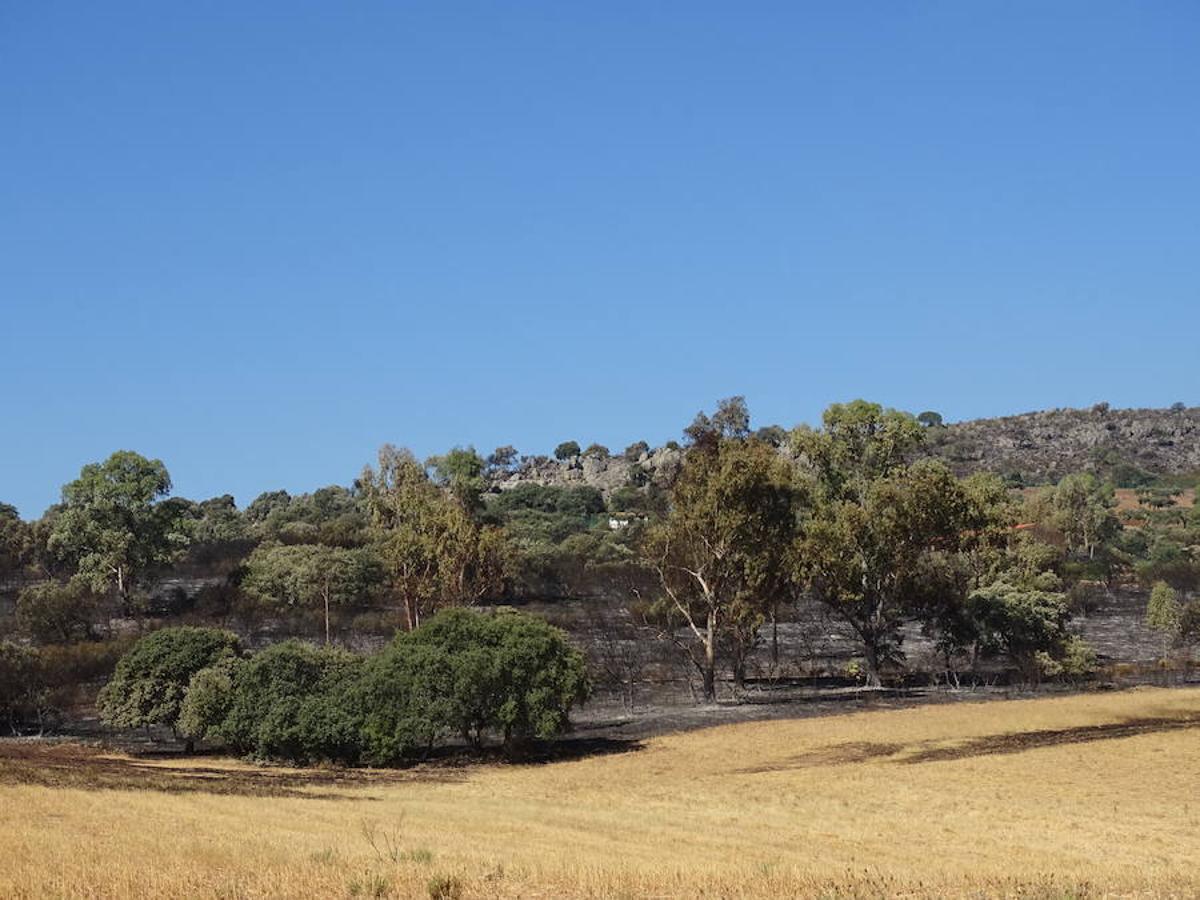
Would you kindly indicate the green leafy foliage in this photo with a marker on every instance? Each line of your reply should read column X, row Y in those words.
column 151, row 680
column 721, row 552
column 56, row 611
column 879, row 522
column 508, row 672
column 206, row 705
column 436, row 552
column 1029, row 625
column 112, row 524
column 288, row 702
column 307, row 575
column 461, row 673
column 566, row 450
column 407, row 702
column 461, row 472
column 331, row 515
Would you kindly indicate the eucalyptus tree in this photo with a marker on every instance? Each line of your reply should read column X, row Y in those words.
column 878, row 517
column 435, row 553
column 1083, row 508
column 721, row 552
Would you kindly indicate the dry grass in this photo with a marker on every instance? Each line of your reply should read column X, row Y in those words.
column 1093, row 795
column 1127, row 499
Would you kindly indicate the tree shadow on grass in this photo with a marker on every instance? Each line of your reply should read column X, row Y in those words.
column 1019, row 742
column 854, row 752
column 83, row 767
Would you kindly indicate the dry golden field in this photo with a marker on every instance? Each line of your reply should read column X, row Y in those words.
column 1093, row 795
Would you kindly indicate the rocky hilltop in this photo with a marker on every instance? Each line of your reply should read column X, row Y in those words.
column 1127, row 445
column 605, row 473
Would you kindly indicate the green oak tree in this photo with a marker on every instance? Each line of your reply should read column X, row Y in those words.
column 312, row 575
column 151, row 681
column 566, row 450
column 115, row 525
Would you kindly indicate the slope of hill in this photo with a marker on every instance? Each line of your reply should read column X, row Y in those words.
column 1125, row 444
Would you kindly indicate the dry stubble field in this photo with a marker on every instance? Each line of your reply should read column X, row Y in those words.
column 1091, row 795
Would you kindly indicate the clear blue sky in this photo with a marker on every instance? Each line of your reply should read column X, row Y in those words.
column 257, row 240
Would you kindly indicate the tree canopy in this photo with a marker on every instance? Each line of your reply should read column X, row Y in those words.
column 151, row 680
column 114, row 524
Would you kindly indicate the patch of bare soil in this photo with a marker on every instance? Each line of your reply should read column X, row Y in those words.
column 667, row 713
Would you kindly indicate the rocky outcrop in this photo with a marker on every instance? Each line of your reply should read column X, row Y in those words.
column 1033, row 447
column 605, row 473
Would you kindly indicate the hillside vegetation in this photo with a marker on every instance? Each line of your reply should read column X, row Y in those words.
column 1131, row 447
column 1085, row 796
column 720, row 566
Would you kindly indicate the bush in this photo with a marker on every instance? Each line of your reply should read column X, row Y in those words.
column 599, row 451
column 1078, row 659
column 511, row 673
column 566, row 450
column 23, row 688
column 444, row 887
column 635, row 451
column 461, row 672
column 208, row 700
column 1027, row 624
column 405, row 696
column 54, row 611
column 292, row 701
column 150, row 681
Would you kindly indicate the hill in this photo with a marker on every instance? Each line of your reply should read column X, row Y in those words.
column 1130, row 446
